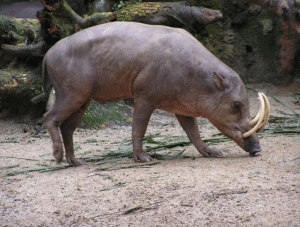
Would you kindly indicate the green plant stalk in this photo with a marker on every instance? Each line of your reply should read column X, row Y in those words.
column 147, row 165
column 118, row 185
column 9, row 167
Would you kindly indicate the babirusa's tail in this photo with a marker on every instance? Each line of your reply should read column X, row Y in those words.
column 44, row 96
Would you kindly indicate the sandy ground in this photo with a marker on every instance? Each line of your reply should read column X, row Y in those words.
column 236, row 190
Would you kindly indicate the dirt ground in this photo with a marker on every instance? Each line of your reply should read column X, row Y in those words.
column 236, row 190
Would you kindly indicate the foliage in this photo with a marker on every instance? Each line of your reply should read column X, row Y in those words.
column 210, row 4
column 98, row 116
column 289, row 124
column 123, row 4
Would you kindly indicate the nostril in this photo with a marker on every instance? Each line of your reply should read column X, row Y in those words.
column 255, row 150
column 252, row 145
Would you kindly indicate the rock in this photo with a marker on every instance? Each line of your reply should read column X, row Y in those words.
column 267, row 26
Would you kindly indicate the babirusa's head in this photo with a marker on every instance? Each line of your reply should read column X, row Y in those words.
column 232, row 114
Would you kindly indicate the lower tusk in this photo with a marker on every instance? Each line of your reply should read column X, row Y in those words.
column 262, row 116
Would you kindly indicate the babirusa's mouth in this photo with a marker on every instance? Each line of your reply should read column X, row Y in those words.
column 262, row 117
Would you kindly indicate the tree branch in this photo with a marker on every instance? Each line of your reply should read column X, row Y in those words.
column 66, row 10
column 34, row 50
column 49, row 8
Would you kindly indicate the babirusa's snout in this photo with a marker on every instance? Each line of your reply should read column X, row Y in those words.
column 252, row 144
column 262, row 117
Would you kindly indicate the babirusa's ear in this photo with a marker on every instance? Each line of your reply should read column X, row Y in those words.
column 220, row 82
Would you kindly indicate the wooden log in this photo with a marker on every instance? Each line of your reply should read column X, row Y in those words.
column 33, row 50
column 177, row 14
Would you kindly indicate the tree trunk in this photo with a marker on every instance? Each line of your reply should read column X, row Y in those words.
column 287, row 10
column 62, row 21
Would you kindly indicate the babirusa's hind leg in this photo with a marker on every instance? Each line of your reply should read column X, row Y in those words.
column 67, row 129
column 63, row 107
column 52, row 126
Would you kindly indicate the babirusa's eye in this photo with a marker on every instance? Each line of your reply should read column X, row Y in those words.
column 237, row 105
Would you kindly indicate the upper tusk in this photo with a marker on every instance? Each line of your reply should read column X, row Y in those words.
column 254, row 120
column 267, row 113
column 262, row 117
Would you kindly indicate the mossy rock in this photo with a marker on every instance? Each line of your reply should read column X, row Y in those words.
column 17, row 27
column 141, row 9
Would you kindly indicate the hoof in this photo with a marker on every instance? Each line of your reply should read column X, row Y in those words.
column 142, row 158
column 76, row 162
column 58, row 157
column 215, row 153
column 253, row 154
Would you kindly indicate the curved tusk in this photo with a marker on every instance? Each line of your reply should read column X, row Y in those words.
column 262, row 115
column 254, row 120
column 267, row 113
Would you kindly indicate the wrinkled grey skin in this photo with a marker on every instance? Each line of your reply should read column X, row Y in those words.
column 160, row 67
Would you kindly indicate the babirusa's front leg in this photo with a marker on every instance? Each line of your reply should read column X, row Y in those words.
column 190, row 126
column 141, row 116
